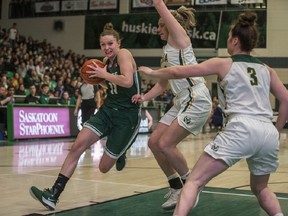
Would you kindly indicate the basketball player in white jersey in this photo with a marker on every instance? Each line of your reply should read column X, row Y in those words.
column 192, row 105
column 249, row 134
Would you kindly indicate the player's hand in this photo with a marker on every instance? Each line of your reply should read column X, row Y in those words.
column 137, row 98
column 97, row 71
column 145, row 70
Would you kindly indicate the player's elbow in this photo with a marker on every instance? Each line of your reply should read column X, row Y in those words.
column 128, row 84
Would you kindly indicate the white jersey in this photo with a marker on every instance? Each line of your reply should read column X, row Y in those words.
column 172, row 56
column 251, row 80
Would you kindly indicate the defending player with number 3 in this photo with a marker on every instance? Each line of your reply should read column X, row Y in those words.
column 249, row 134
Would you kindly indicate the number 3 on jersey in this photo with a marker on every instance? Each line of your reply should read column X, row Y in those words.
column 253, row 77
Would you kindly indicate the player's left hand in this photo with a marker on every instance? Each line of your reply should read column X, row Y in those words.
column 145, row 70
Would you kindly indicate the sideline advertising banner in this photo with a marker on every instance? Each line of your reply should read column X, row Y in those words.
column 40, row 121
column 35, row 122
column 75, row 5
column 140, row 30
column 210, row 2
column 149, row 3
column 47, row 6
column 103, row 4
column 245, row 1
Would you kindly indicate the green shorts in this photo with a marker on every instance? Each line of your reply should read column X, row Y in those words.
column 120, row 126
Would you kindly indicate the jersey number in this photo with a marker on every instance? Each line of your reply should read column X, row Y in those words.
column 253, row 77
column 113, row 88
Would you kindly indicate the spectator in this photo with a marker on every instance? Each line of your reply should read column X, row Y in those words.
column 74, row 96
column 4, row 97
column 65, row 99
column 216, row 119
column 44, row 96
column 20, row 90
column 15, row 80
column 59, row 89
column 22, row 70
column 10, row 94
column 4, row 81
column 13, row 32
column 4, row 100
column 31, row 98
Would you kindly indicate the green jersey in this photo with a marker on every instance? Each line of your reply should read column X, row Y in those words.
column 119, row 97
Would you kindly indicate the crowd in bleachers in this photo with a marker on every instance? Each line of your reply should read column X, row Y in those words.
column 26, row 61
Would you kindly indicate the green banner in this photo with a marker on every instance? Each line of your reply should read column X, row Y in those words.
column 140, row 30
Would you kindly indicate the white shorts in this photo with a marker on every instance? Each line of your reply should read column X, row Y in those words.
column 255, row 140
column 192, row 108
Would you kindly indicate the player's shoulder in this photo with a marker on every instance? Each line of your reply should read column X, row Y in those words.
column 124, row 51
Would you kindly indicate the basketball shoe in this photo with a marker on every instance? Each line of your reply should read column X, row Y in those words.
column 121, row 162
column 46, row 197
column 172, row 197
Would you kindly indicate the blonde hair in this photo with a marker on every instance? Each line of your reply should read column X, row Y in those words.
column 185, row 16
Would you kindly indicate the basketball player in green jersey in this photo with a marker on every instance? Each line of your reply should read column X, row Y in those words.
column 118, row 118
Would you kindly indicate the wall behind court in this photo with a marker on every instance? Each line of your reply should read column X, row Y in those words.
column 72, row 35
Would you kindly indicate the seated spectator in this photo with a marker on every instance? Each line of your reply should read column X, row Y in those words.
column 4, row 97
column 15, row 80
column 44, row 96
column 20, row 90
column 4, row 81
column 74, row 96
column 216, row 119
column 58, row 90
column 65, row 99
column 10, row 94
column 31, row 98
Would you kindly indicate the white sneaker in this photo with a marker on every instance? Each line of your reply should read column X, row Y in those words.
column 172, row 198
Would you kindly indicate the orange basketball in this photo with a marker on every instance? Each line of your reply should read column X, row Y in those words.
column 85, row 75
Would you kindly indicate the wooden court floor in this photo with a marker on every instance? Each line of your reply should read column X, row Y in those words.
column 37, row 162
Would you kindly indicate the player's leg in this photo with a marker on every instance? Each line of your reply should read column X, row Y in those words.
column 121, row 135
column 266, row 198
column 204, row 170
column 48, row 197
column 161, row 137
column 264, row 162
column 167, row 144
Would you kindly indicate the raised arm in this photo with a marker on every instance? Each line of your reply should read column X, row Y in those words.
column 177, row 34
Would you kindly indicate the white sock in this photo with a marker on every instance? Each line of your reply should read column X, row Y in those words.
column 175, row 175
column 279, row 214
column 183, row 177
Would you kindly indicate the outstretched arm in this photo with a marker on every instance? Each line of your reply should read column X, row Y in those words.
column 216, row 66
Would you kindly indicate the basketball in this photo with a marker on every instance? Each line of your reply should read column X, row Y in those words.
column 85, row 68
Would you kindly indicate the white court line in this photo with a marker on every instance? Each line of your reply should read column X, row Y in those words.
column 236, row 194
column 99, row 181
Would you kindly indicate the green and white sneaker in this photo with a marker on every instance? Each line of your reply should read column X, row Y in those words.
column 46, row 197
column 121, row 162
